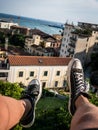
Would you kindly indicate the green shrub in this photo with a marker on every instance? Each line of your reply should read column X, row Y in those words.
column 12, row 90
column 46, row 93
column 94, row 99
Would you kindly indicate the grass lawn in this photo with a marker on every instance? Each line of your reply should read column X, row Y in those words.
column 50, row 103
column 51, row 113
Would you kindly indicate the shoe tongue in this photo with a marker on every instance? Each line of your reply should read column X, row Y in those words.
column 77, row 64
column 33, row 89
column 77, row 70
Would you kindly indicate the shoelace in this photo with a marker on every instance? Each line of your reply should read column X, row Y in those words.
column 79, row 81
column 33, row 90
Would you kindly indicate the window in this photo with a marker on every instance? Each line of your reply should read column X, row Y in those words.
column 62, row 50
column 87, row 39
column 63, row 45
column 58, row 73
column 64, row 83
column 21, row 74
column 56, row 83
column 43, row 84
column 64, row 39
column 45, row 73
column 2, row 74
column 96, row 38
column 66, row 27
column 31, row 73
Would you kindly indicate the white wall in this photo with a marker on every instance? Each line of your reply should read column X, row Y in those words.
column 7, row 25
column 39, row 71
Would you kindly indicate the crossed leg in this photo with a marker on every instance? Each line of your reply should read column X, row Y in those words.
column 86, row 115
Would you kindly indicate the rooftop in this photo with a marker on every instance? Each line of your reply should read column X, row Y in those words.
column 37, row 60
column 41, row 33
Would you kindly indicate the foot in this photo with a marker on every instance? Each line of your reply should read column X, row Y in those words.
column 32, row 93
column 76, row 83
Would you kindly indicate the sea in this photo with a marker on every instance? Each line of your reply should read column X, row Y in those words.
column 48, row 27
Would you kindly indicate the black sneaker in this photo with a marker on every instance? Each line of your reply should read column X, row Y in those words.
column 76, row 83
column 33, row 93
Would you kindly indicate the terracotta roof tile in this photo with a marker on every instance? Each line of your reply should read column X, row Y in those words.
column 37, row 60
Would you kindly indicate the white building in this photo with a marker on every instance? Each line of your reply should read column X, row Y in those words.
column 7, row 24
column 35, row 40
column 51, row 71
column 68, row 41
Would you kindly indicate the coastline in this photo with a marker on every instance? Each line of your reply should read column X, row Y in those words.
column 44, row 25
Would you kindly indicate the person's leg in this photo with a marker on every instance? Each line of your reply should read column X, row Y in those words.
column 85, row 114
column 13, row 111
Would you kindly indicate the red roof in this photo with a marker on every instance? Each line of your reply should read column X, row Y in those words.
column 37, row 61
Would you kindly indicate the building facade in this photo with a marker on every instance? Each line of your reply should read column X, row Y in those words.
column 68, row 41
column 7, row 25
column 51, row 71
column 79, row 41
column 85, row 46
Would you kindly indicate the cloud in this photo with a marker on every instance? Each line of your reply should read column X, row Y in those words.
column 55, row 10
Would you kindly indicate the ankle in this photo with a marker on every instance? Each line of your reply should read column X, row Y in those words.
column 81, row 100
column 26, row 106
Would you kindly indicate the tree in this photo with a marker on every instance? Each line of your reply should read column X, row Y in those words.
column 83, row 32
column 17, row 40
column 94, row 61
column 2, row 37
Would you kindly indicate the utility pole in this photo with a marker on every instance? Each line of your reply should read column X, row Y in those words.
column 6, row 43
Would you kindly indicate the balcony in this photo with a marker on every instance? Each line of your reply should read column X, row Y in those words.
column 4, row 75
column 73, row 39
column 70, row 51
column 3, row 65
column 72, row 45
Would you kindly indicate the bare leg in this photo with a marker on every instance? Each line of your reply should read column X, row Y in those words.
column 11, row 111
column 86, row 115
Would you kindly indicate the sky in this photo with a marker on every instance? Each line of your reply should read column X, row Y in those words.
column 53, row 10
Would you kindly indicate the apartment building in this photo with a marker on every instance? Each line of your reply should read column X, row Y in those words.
column 40, row 51
column 51, row 71
column 79, row 41
column 42, row 44
column 29, row 42
column 68, row 41
column 19, row 30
